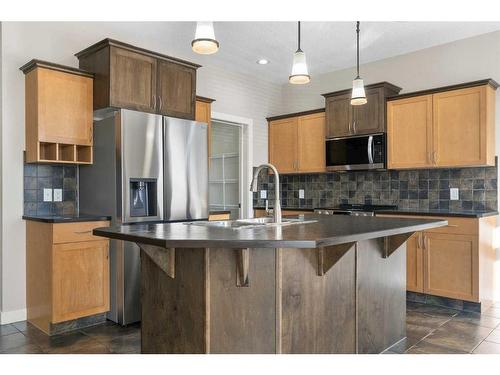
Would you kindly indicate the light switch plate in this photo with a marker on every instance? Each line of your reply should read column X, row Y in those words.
column 454, row 194
column 301, row 194
column 47, row 195
column 58, row 195
column 263, row 194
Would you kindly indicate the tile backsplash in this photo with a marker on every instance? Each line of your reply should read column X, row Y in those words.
column 424, row 189
column 38, row 177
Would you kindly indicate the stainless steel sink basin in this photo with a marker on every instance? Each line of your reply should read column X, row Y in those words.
column 260, row 222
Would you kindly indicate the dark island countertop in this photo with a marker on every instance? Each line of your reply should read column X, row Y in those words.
column 66, row 219
column 438, row 212
column 326, row 231
column 286, row 208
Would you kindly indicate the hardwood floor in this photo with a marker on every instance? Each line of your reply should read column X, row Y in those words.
column 430, row 330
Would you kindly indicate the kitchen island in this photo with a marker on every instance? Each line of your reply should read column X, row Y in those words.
column 329, row 284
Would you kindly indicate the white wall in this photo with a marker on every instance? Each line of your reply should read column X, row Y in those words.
column 235, row 94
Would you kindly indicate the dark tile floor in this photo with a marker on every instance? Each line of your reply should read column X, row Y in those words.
column 429, row 330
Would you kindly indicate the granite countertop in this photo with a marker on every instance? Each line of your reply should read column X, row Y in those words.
column 438, row 212
column 66, row 219
column 286, row 208
column 325, row 231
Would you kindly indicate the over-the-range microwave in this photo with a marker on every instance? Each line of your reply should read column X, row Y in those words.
column 356, row 153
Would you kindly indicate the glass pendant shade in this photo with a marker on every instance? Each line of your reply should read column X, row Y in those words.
column 204, row 41
column 358, row 96
column 299, row 75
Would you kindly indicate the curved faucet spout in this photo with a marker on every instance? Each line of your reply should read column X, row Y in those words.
column 253, row 187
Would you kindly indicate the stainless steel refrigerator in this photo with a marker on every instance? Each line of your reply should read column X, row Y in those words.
column 147, row 168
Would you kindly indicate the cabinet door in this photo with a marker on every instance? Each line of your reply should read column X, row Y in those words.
column 64, row 107
column 283, row 144
column 203, row 113
column 338, row 116
column 369, row 118
column 409, row 132
column 80, row 279
column 132, row 80
column 414, row 264
column 451, row 266
column 176, row 90
column 460, row 127
column 311, row 143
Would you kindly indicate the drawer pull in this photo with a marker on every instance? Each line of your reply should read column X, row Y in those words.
column 452, row 225
column 84, row 232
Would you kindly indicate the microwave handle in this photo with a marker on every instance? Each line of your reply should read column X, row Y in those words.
column 370, row 149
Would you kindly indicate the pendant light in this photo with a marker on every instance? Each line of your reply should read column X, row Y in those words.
column 358, row 96
column 299, row 74
column 204, row 41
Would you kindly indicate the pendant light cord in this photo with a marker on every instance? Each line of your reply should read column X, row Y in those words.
column 357, row 49
column 299, row 37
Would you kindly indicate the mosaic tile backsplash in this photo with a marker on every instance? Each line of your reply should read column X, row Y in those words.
column 410, row 189
column 38, row 177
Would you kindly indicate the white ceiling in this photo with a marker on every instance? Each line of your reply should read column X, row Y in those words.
column 329, row 46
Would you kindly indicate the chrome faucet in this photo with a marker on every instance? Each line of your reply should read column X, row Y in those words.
column 253, row 187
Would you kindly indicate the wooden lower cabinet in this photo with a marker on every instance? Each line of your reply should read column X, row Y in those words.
column 414, row 264
column 456, row 261
column 219, row 216
column 67, row 272
column 451, row 266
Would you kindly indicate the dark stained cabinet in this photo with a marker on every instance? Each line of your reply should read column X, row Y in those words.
column 176, row 90
column 343, row 119
column 134, row 78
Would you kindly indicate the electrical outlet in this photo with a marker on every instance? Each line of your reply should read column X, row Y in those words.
column 263, row 194
column 47, row 195
column 58, row 195
column 301, row 194
column 454, row 194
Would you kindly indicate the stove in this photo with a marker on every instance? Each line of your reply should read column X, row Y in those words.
column 354, row 209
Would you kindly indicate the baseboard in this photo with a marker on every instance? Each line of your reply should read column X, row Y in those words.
column 7, row 317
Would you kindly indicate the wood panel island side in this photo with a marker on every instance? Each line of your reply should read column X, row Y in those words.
column 333, row 284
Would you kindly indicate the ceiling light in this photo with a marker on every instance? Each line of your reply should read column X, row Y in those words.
column 204, row 41
column 358, row 96
column 299, row 75
column 263, row 61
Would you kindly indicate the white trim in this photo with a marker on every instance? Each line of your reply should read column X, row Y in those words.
column 7, row 317
column 246, row 160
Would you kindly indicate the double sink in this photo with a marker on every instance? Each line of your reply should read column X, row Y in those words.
column 260, row 222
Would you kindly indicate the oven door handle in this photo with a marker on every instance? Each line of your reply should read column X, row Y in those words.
column 370, row 149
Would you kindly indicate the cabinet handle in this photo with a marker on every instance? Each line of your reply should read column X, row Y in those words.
column 420, row 245
column 452, row 225
column 425, row 242
column 154, row 102
column 84, row 232
column 161, row 103
column 354, row 126
column 434, row 157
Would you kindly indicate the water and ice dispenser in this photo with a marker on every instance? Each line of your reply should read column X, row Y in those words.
column 143, row 193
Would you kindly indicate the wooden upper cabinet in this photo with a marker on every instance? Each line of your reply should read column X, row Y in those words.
column 338, row 111
column 344, row 119
column 134, row 78
column 444, row 127
column 409, row 132
column 58, row 113
column 283, row 144
column 176, row 90
column 462, row 127
column 370, row 117
column 297, row 142
column 311, row 143
column 203, row 113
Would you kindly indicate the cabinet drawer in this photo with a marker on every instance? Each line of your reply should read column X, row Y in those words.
column 456, row 225
column 77, row 232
